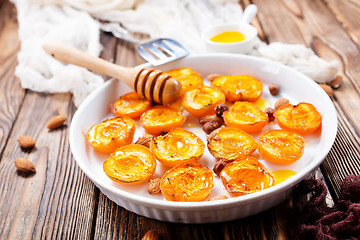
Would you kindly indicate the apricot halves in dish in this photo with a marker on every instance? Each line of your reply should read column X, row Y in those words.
column 177, row 146
column 111, row 133
column 246, row 116
column 161, row 119
column 130, row 105
column 230, row 144
column 302, row 118
column 202, row 101
column 246, row 175
column 187, row 182
column 239, row 88
column 132, row 163
column 281, row 146
column 188, row 78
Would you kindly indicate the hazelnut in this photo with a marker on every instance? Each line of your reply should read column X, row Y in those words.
column 211, row 126
column 220, row 109
column 219, row 165
column 280, row 102
column 274, row 89
column 210, row 118
column 270, row 112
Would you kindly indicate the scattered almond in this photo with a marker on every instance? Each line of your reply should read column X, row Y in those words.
column 219, row 197
column 274, row 89
column 151, row 235
column 329, row 91
column 26, row 142
column 24, row 165
column 336, row 83
column 154, row 186
column 280, row 102
column 56, row 122
column 145, row 140
column 213, row 76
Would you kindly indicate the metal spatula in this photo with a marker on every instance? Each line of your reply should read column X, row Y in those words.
column 156, row 52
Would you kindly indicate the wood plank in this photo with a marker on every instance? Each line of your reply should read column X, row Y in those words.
column 347, row 12
column 11, row 93
column 322, row 31
column 58, row 201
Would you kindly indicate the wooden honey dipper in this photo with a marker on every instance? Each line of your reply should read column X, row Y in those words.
column 149, row 83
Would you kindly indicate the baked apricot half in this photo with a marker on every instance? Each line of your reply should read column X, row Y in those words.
column 161, row 119
column 130, row 105
column 229, row 144
column 245, row 176
column 202, row 101
column 111, row 133
column 281, row 146
column 302, row 118
column 246, row 116
column 239, row 87
column 132, row 163
column 177, row 146
column 188, row 78
column 187, row 182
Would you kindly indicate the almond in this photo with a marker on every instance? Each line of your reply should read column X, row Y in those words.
column 56, row 122
column 212, row 77
column 219, row 197
column 24, row 165
column 329, row 91
column 280, row 102
column 154, row 187
column 26, row 142
column 151, row 235
column 145, row 140
column 336, row 83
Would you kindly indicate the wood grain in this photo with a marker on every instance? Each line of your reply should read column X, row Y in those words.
column 11, row 93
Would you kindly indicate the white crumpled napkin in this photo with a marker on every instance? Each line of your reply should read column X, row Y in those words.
column 74, row 22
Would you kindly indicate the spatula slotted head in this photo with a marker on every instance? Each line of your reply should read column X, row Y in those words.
column 161, row 51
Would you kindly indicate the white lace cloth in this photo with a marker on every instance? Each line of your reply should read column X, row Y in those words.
column 74, row 22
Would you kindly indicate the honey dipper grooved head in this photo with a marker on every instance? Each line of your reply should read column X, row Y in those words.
column 157, row 86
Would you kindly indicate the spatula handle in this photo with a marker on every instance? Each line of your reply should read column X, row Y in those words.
column 151, row 84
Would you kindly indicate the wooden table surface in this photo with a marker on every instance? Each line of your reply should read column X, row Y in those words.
column 60, row 202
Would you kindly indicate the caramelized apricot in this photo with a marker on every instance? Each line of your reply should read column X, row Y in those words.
column 202, row 101
column 229, row 144
column 188, row 78
column 161, row 119
column 281, row 146
column 302, row 118
column 187, row 182
column 239, row 88
column 245, row 176
column 177, row 146
column 130, row 105
column 132, row 163
column 111, row 133
column 246, row 116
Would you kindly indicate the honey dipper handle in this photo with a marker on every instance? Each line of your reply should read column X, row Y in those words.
column 71, row 55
